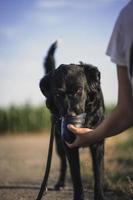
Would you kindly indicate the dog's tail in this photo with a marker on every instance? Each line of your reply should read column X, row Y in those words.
column 49, row 61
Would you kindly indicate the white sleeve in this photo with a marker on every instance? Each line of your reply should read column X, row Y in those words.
column 116, row 44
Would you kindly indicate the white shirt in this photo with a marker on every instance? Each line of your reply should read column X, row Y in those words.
column 119, row 47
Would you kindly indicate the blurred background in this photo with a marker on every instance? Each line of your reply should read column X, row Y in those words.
column 27, row 29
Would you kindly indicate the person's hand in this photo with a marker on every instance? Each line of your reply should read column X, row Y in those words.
column 81, row 136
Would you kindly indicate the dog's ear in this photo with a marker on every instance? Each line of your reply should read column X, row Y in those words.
column 92, row 76
column 45, row 85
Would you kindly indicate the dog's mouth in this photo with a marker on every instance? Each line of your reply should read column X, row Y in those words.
column 78, row 121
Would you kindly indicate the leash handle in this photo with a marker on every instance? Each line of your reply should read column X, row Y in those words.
column 48, row 165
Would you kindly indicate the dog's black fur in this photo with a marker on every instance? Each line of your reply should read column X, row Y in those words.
column 72, row 90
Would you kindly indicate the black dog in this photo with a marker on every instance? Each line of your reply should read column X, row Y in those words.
column 72, row 90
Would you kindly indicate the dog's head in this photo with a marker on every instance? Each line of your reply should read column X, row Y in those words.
column 70, row 89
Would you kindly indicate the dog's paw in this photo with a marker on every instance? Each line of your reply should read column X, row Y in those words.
column 59, row 186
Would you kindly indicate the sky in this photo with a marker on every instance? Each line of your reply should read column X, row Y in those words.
column 28, row 28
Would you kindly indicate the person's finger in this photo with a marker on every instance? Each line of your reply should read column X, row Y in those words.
column 73, row 128
column 78, row 131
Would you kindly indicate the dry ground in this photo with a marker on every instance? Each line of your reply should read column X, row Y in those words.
column 22, row 164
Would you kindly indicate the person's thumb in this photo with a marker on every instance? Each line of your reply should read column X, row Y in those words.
column 78, row 131
column 73, row 129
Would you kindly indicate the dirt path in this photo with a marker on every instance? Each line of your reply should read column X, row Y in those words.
column 22, row 160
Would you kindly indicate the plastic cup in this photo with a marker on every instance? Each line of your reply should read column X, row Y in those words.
column 78, row 121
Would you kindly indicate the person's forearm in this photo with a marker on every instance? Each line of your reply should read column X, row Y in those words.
column 119, row 120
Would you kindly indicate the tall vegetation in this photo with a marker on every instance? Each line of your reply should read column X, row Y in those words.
column 24, row 118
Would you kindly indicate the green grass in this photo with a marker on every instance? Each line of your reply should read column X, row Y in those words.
column 24, row 118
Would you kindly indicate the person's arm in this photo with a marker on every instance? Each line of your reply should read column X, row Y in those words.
column 119, row 120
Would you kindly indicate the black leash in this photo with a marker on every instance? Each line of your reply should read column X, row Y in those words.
column 48, row 165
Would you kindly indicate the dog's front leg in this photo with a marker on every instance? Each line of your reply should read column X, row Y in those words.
column 74, row 163
column 97, row 152
column 62, row 156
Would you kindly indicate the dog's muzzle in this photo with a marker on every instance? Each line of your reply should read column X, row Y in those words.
column 78, row 121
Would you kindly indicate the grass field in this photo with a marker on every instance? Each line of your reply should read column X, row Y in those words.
column 24, row 118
